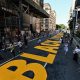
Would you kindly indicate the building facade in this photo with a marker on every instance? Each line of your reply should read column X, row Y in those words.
column 35, row 21
column 53, row 20
column 20, row 15
column 49, row 23
column 74, row 20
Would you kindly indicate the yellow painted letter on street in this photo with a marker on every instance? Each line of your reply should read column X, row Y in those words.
column 48, row 48
column 51, row 43
column 21, row 68
column 49, row 59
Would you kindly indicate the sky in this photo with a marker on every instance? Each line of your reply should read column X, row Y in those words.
column 62, row 8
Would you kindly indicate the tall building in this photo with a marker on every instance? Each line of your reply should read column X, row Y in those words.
column 74, row 20
column 36, row 20
column 20, row 15
column 53, row 19
column 49, row 23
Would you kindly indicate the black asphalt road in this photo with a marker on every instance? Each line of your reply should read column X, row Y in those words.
column 63, row 67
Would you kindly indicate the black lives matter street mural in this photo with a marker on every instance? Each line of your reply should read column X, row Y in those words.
column 31, row 65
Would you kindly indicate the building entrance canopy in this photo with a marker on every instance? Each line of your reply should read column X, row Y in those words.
column 35, row 9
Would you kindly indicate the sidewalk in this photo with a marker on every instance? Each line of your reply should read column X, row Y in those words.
column 64, row 68
column 6, row 55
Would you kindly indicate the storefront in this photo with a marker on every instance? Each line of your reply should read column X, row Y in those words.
column 17, row 15
column 9, row 25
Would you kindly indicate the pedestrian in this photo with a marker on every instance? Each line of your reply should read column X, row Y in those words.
column 26, row 39
column 13, row 50
column 66, row 48
column 75, row 52
column 61, row 40
column 20, row 45
column 39, row 40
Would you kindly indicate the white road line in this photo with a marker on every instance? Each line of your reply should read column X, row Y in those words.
column 45, row 64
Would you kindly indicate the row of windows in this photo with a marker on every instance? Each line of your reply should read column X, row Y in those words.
column 9, row 21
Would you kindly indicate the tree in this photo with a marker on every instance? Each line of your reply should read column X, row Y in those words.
column 60, row 26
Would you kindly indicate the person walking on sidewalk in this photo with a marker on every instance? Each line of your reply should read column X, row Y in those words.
column 61, row 40
column 66, row 48
column 75, row 52
column 39, row 41
column 26, row 39
column 20, row 44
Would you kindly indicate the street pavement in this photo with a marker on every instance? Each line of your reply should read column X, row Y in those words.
column 64, row 68
column 42, row 61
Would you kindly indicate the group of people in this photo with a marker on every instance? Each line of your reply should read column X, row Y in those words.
column 17, row 41
column 67, row 40
column 76, row 53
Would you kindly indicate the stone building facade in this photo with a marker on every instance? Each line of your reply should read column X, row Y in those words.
column 49, row 23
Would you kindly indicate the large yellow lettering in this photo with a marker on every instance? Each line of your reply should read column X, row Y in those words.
column 58, row 35
column 37, row 69
column 48, row 48
column 51, row 43
column 49, row 59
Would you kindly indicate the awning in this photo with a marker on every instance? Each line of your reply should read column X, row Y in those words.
column 35, row 9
